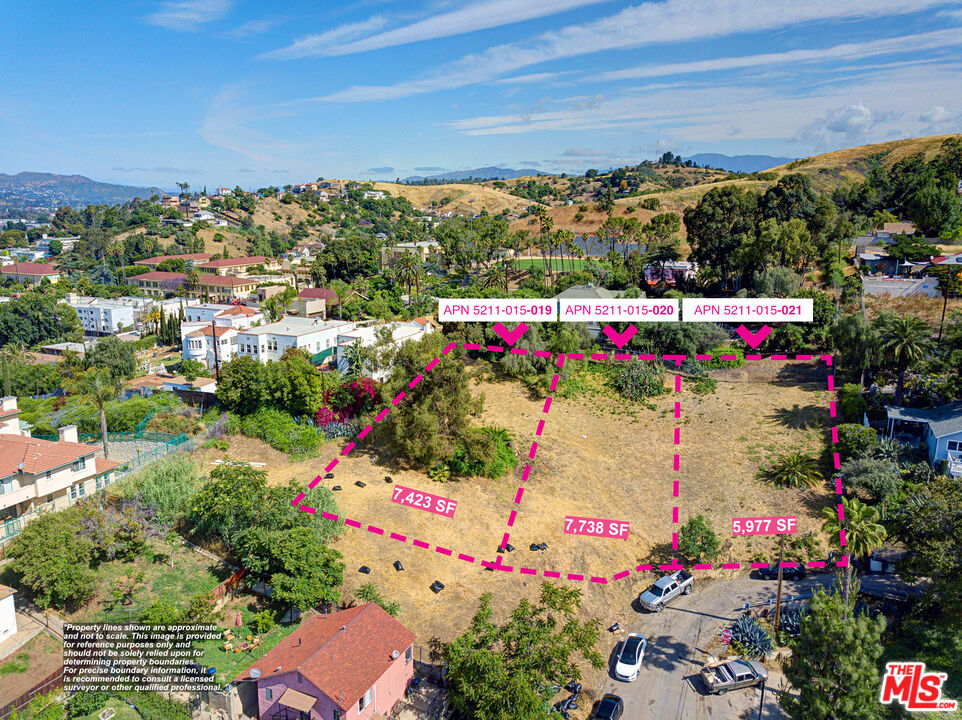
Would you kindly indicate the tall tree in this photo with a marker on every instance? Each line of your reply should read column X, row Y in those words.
column 99, row 387
column 834, row 663
column 505, row 672
column 905, row 339
column 862, row 532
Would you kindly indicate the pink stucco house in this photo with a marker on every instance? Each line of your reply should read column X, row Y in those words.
column 354, row 664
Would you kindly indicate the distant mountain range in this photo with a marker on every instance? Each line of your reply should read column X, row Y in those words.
column 484, row 173
column 48, row 191
column 739, row 163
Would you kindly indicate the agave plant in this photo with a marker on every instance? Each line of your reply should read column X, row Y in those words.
column 790, row 621
column 752, row 639
column 339, row 428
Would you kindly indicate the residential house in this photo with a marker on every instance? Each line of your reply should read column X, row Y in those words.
column 67, row 243
column 8, row 613
column 170, row 201
column 64, row 348
column 424, row 250
column 147, row 385
column 355, row 664
column 235, row 316
column 190, row 259
column 203, row 202
column 39, row 475
column 27, row 254
column 222, row 192
column 401, row 332
column 314, row 301
column 213, row 345
column 240, row 266
column 205, row 215
column 28, row 272
column 940, row 428
column 670, row 272
column 103, row 316
column 317, row 337
column 373, row 194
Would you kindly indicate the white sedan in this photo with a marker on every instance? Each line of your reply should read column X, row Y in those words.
column 631, row 653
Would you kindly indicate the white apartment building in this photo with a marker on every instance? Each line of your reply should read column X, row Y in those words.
column 235, row 316
column 39, row 475
column 401, row 332
column 103, row 316
column 315, row 336
column 212, row 345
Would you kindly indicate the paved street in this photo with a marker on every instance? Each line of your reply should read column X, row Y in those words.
column 669, row 686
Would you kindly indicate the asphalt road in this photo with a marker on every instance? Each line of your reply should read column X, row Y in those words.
column 669, row 686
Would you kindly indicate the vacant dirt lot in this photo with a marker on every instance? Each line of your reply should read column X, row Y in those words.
column 591, row 462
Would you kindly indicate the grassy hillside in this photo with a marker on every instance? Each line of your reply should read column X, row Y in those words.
column 464, row 198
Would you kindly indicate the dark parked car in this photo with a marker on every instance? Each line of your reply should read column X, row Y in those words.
column 788, row 573
column 610, row 708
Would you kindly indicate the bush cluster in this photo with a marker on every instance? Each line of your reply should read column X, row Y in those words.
column 484, row 451
column 280, row 431
column 639, row 380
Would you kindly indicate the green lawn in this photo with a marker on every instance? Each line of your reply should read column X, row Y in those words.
column 123, row 710
column 16, row 665
column 192, row 573
column 569, row 264
column 229, row 664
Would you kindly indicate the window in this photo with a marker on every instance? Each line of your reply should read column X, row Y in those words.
column 99, row 483
column 79, row 465
column 337, row 714
column 954, row 444
column 269, row 694
column 365, row 700
column 408, row 654
column 73, row 492
column 6, row 485
column 49, row 498
column 83, row 489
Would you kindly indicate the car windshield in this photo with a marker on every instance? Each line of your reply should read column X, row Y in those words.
column 656, row 591
column 629, row 653
column 607, row 707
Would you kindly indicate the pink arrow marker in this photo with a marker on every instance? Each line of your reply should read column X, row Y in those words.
column 513, row 336
column 620, row 339
column 753, row 339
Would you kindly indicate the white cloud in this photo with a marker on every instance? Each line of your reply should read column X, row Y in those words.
column 846, row 51
column 847, row 123
column 528, row 79
column 253, row 27
column 471, row 18
column 650, row 23
column 938, row 119
column 189, row 15
column 320, row 43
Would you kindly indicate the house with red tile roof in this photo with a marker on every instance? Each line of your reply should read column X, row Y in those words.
column 214, row 287
column 355, row 664
column 28, row 272
column 190, row 259
column 238, row 266
column 40, row 475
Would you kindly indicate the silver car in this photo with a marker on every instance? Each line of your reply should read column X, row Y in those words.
column 724, row 675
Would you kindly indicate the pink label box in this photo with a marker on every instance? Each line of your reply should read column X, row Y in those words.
column 596, row 527
column 764, row 526
column 424, row 501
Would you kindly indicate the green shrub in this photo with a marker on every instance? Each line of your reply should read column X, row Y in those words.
column 853, row 439
column 697, row 540
column 703, row 385
column 851, row 405
column 86, row 702
column 484, row 451
column 167, row 485
column 233, row 425
column 217, row 444
column 280, row 431
column 638, row 380
column 717, row 362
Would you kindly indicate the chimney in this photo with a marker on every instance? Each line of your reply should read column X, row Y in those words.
column 68, row 433
column 8, row 403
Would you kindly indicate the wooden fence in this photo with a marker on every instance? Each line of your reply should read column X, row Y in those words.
column 229, row 585
column 51, row 682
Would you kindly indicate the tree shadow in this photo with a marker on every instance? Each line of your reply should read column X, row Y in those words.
column 799, row 417
column 667, row 654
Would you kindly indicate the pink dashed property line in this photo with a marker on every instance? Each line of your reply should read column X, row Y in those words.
column 553, row 574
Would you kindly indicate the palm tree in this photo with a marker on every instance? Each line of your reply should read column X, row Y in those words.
column 153, row 317
column 408, row 270
column 192, row 279
column 906, row 338
column 794, row 469
column 97, row 386
column 862, row 532
column 495, row 276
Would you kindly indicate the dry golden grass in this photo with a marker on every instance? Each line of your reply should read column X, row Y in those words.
column 289, row 215
column 929, row 309
column 466, row 198
column 597, row 458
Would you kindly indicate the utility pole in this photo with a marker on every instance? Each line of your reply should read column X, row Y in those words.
column 761, row 702
column 778, row 597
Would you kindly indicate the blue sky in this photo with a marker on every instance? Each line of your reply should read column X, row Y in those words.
column 225, row 92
